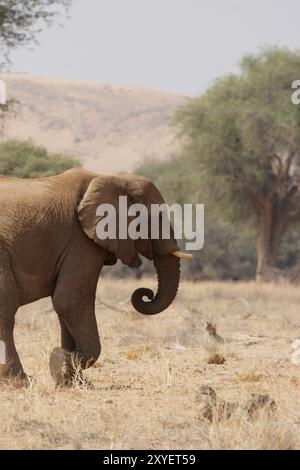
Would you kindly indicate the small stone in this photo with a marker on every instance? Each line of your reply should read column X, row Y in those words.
column 216, row 359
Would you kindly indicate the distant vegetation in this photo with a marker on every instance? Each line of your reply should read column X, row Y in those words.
column 24, row 160
column 20, row 23
column 241, row 157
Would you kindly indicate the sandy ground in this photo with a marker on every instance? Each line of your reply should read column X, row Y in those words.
column 147, row 384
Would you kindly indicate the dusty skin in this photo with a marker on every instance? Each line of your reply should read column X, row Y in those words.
column 147, row 381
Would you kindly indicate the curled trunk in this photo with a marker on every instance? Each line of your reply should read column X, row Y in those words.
column 168, row 275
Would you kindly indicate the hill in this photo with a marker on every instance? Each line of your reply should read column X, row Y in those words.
column 109, row 128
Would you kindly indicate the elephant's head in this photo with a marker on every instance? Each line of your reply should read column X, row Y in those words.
column 164, row 252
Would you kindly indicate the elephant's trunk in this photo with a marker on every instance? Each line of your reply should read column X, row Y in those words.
column 168, row 275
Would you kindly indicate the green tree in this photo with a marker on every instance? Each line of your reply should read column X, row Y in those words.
column 24, row 160
column 21, row 21
column 229, row 251
column 243, row 138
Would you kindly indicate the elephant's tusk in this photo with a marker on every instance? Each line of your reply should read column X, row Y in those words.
column 180, row 254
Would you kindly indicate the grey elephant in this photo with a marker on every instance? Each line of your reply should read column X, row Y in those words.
column 49, row 247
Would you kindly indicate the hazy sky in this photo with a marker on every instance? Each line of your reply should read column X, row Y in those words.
column 171, row 45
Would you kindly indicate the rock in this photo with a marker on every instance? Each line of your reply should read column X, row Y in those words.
column 212, row 408
column 259, row 403
column 208, row 391
column 216, row 359
column 225, row 409
column 207, row 399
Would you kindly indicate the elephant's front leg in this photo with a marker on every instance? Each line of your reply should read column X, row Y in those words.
column 62, row 358
column 67, row 341
column 74, row 302
column 80, row 342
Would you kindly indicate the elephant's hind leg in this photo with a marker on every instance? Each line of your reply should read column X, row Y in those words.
column 10, row 366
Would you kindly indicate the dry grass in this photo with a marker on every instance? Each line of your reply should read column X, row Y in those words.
column 147, row 380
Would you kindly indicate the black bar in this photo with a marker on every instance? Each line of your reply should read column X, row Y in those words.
column 151, row 458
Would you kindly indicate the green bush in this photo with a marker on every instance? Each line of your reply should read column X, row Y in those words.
column 23, row 159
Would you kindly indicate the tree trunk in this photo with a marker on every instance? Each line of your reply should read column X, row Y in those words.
column 272, row 225
column 279, row 226
column 263, row 240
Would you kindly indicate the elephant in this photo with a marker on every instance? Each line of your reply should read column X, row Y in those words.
column 49, row 248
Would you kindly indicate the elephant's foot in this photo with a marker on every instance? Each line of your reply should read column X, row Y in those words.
column 65, row 368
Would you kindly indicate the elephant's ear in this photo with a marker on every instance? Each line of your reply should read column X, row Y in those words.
column 107, row 190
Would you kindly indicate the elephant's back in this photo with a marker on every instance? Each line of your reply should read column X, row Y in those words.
column 40, row 207
column 40, row 193
column 31, row 208
column 35, row 228
column 34, row 195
